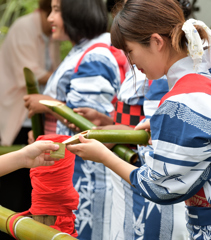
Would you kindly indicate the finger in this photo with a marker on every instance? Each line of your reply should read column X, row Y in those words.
column 26, row 104
column 47, row 145
column 30, row 114
column 26, row 97
column 142, row 126
column 72, row 125
column 97, row 128
column 82, row 139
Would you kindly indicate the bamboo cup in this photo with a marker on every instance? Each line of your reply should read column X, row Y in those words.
column 60, row 153
column 60, row 108
column 32, row 88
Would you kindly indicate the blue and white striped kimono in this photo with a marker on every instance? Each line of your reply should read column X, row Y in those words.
column 94, row 85
column 133, row 216
column 179, row 163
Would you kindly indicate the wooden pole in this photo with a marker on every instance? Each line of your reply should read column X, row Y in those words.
column 60, row 108
column 26, row 228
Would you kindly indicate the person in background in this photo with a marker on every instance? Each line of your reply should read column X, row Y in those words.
column 28, row 43
column 178, row 167
column 89, row 76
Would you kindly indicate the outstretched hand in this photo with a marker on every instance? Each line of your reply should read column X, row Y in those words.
column 89, row 149
column 37, row 154
column 33, row 155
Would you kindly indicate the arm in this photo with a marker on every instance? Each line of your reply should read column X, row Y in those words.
column 173, row 172
column 28, row 157
column 96, row 151
column 43, row 79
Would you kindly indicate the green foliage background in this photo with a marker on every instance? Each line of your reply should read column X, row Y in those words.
column 10, row 10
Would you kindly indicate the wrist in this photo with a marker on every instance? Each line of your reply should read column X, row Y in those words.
column 20, row 158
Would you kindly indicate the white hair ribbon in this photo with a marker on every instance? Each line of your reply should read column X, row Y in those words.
column 195, row 45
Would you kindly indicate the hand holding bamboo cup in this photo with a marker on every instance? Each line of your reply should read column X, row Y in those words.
column 112, row 136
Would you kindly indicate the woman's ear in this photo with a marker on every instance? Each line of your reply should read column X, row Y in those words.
column 157, row 41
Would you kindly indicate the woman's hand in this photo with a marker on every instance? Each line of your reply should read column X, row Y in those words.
column 37, row 154
column 33, row 155
column 144, row 126
column 33, row 105
column 92, row 115
column 89, row 149
column 88, row 113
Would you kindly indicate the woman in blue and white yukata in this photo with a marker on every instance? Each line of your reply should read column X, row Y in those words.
column 89, row 76
column 178, row 167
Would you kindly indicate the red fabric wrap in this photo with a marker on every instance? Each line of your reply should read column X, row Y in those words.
column 129, row 115
column 198, row 200
column 53, row 192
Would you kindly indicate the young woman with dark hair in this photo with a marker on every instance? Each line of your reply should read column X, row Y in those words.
column 89, row 76
column 178, row 167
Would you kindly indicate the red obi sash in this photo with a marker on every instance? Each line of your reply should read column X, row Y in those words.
column 129, row 115
column 198, row 200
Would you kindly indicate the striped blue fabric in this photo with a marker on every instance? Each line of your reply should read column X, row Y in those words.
column 133, row 216
column 179, row 163
column 94, row 85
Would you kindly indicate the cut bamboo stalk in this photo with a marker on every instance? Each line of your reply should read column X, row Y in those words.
column 26, row 228
column 140, row 137
column 32, row 88
column 60, row 108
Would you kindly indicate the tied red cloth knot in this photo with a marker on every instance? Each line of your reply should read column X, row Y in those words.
column 52, row 189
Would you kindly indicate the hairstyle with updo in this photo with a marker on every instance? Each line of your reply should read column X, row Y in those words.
column 139, row 19
column 84, row 18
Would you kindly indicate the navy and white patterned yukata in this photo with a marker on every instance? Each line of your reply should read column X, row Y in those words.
column 178, row 165
column 133, row 216
column 94, row 85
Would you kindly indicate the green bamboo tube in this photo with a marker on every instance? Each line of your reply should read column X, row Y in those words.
column 32, row 88
column 69, row 114
column 113, row 136
column 26, row 228
column 8, row 149
column 60, row 108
